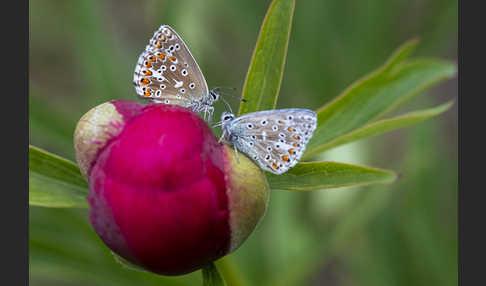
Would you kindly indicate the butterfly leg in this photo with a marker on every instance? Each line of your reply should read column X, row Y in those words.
column 210, row 110
column 204, row 115
column 222, row 136
column 236, row 154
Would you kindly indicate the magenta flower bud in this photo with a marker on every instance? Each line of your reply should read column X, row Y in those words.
column 164, row 194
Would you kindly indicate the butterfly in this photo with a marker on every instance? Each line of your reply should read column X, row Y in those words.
column 274, row 139
column 166, row 72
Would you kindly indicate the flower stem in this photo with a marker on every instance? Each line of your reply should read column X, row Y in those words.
column 229, row 272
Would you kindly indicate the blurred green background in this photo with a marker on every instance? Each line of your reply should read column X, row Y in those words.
column 82, row 53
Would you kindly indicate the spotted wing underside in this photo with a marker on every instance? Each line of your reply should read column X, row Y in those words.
column 166, row 71
column 275, row 139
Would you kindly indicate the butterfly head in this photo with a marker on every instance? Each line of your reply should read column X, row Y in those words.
column 226, row 117
column 214, row 95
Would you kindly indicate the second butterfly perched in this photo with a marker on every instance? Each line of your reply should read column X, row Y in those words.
column 274, row 139
column 166, row 72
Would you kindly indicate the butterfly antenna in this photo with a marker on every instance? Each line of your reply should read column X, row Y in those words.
column 227, row 87
column 218, row 88
column 218, row 124
column 227, row 104
column 234, row 96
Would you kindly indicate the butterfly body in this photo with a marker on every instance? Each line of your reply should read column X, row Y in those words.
column 274, row 139
column 166, row 72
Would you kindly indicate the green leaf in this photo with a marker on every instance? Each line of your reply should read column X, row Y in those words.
column 308, row 176
column 377, row 94
column 55, row 181
column 211, row 276
column 264, row 76
column 386, row 125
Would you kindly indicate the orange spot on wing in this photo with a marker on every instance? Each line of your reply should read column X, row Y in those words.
column 147, row 72
column 296, row 144
column 290, row 129
column 147, row 92
column 285, row 158
column 291, row 151
column 144, row 81
column 172, row 58
column 274, row 166
column 162, row 56
column 296, row 137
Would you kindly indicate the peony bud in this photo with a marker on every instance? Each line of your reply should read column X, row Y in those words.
column 164, row 194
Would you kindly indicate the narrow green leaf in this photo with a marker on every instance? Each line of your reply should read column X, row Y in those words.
column 264, row 76
column 401, row 54
column 308, row 176
column 211, row 276
column 377, row 94
column 55, row 181
column 382, row 126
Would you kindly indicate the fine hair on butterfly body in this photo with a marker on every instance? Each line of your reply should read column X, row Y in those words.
column 274, row 139
column 166, row 72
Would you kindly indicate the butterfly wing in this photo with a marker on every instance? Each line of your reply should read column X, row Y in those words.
column 167, row 72
column 275, row 139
